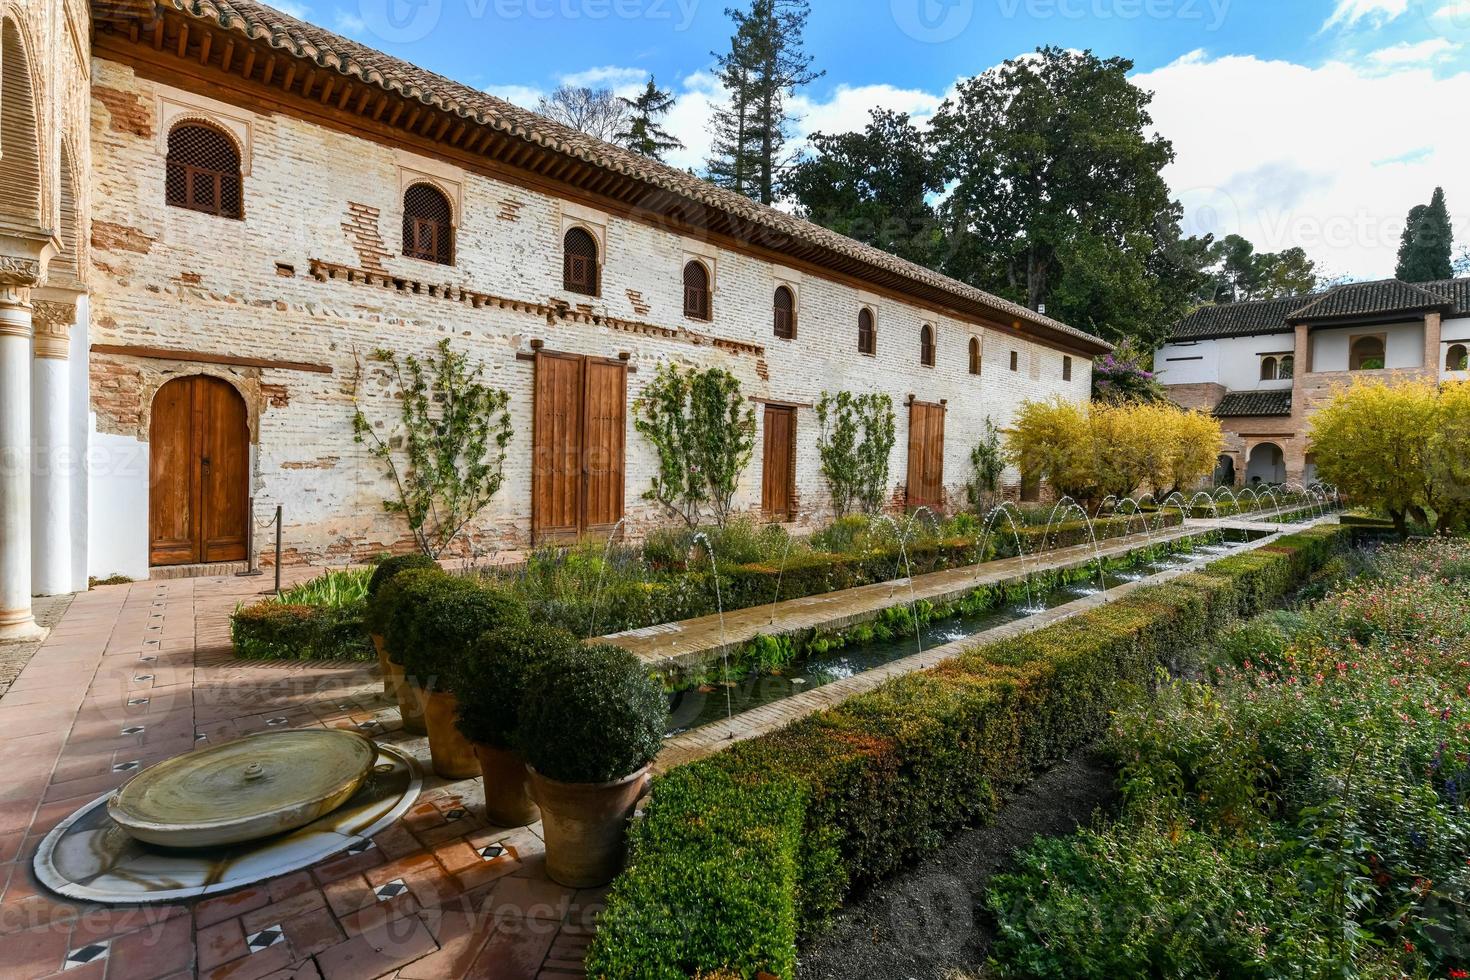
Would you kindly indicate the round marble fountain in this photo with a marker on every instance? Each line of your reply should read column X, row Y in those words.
column 220, row 818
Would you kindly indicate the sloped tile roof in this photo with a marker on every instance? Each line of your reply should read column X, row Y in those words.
column 259, row 22
column 1238, row 404
column 1388, row 296
column 1355, row 299
column 1238, row 319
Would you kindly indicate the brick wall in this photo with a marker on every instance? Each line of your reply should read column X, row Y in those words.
column 314, row 194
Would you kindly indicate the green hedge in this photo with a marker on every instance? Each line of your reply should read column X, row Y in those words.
column 739, row 852
column 283, row 631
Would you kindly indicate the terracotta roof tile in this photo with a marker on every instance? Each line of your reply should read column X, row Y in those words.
column 1388, row 296
column 1354, row 299
column 1238, row 404
column 260, row 22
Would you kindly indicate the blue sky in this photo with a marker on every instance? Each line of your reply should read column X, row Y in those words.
column 1310, row 122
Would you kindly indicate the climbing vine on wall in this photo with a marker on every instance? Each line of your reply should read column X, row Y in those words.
column 856, row 441
column 446, row 455
column 703, row 431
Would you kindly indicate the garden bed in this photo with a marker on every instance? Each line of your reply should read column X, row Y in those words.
column 318, row 620
column 739, row 853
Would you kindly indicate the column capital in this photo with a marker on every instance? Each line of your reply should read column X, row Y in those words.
column 52, row 322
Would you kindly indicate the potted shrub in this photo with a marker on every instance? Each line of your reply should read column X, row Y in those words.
column 438, row 631
column 491, row 684
column 376, row 616
column 591, row 723
column 392, row 612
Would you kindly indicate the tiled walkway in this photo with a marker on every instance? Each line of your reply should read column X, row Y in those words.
column 463, row 899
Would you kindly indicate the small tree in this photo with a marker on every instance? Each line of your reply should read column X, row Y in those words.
column 1196, row 450
column 643, row 133
column 703, row 431
column 856, row 441
column 447, row 459
column 1448, row 460
column 1052, row 441
column 987, row 464
column 1372, row 442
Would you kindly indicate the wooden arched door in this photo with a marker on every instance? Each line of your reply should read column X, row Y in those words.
column 199, row 473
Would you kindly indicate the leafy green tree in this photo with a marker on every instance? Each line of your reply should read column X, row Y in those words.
column 1057, row 196
column 1427, row 243
column 762, row 70
column 855, row 443
column 644, row 134
column 447, row 458
column 1237, row 272
column 703, row 430
column 874, row 186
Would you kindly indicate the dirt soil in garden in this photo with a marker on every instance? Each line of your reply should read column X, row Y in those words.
column 929, row 922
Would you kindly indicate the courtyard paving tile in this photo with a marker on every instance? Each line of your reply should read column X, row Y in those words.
column 156, row 656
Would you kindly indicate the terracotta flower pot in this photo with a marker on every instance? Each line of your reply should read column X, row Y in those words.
column 508, row 800
column 411, row 702
column 585, row 826
column 452, row 754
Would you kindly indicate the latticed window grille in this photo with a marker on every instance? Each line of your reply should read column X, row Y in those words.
column 785, row 313
column 428, row 225
column 579, row 262
column 696, row 292
column 926, row 346
column 203, row 172
column 867, row 334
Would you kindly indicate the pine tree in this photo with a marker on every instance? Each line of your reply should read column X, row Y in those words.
column 1428, row 241
column 761, row 72
column 644, row 134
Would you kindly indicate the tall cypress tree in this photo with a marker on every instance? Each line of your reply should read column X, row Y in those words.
column 644, row 134
column 1424, row 250
column 764, row 67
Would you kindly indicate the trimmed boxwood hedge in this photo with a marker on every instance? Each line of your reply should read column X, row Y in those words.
column 740, row 852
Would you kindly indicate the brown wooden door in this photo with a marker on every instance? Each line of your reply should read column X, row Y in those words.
column 579, row 424
column 926, row 456
column 199, row 473
column 778, row 466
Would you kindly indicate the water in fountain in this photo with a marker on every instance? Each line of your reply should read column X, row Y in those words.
column 1007, row 510
column 1214, row 505
column 602, row 575
column 908, row 570
column 1137, row 511
column 714, row 565
column 1070, row 507
column 780, row 574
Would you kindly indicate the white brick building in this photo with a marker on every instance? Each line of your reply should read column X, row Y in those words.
column 272, row 276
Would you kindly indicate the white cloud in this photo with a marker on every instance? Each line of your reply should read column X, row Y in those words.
column 608, row 76
column 1330, row 158
column 298, row 10
column 1457, row 10
column 525, row 96
column 348, row 22
column 1420, row 53
column 1377, row 12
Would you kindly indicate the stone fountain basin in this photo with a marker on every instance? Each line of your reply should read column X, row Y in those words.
column 245, row 790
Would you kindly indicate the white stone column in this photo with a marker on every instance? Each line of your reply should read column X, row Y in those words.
column 53, row 460
column 16, row 279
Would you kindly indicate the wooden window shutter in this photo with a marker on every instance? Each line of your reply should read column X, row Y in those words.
column 696, row 291
column 579, row 264
column 428, row 225
column 974, row 355
column 926, row 346
column 785, row 306
column 203, row 172
column 867, row 335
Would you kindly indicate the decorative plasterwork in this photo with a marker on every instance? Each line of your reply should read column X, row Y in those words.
column 176, row 106
column 18, row 271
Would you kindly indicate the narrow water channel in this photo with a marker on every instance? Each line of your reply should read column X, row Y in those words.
column 695, row 708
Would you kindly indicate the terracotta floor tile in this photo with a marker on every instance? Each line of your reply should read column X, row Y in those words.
column 377, row 952
column 220, row 943
column 513, row 953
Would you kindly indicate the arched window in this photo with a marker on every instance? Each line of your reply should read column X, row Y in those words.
column 696, row 291
column 1458, row 357
column 579, row 262
column 203, row 171
column 1286, row 368
column 785, row 305
column 926, row 345
column 974, row 355
column 867, row 333
column 428, row 225
column 1268, row 369
column 1367, row 354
